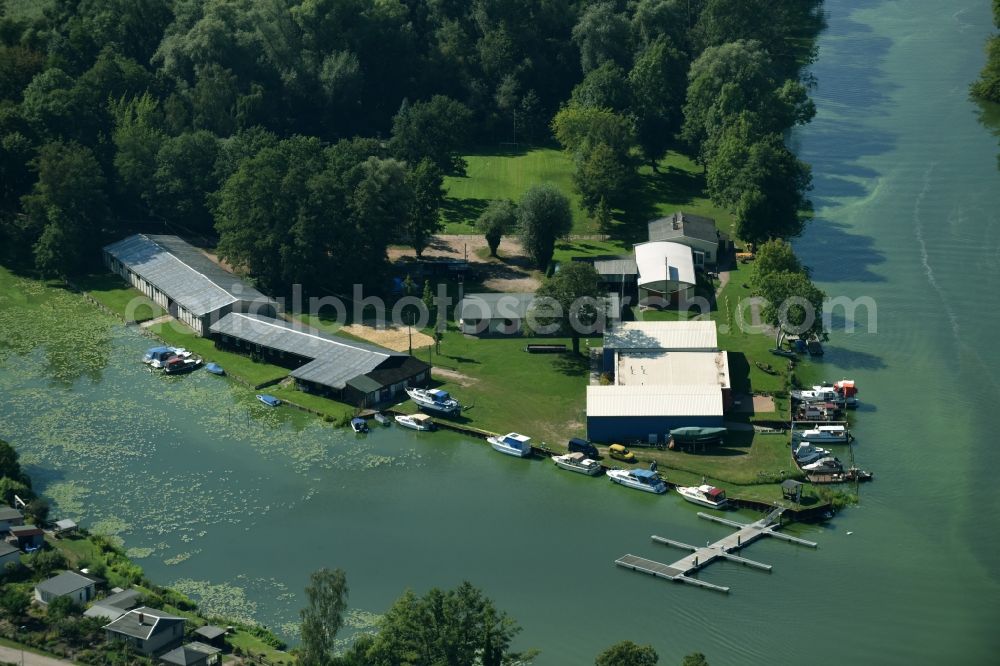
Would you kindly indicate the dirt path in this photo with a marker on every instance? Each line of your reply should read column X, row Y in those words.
column 16, row 656
column 454, row 376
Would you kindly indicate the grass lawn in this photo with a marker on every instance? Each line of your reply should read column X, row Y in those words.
column 505, row 388
column 339, row 412
column 677, row 184
column 508, row 176
column 240, row 367
column 115, row 294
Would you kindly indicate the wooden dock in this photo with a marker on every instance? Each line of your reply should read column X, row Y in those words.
column 700, row 557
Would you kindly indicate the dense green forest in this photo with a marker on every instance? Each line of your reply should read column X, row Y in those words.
column 304, row 136
column 988, row 85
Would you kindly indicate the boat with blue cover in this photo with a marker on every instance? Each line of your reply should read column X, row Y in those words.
column 268, row 400
column 215, row 369
column 359, row 425
column 640, row 479
column 513, row 444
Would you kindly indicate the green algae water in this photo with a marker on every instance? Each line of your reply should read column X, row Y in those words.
column 236, row 503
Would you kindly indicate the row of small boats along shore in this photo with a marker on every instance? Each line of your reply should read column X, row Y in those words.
column 177, row 361
column 824, row 402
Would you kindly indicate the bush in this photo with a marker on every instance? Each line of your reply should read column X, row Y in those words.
column 46, row 562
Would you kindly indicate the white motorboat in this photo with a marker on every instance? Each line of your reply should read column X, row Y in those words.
column 824, row 466
column 806, row 453
column 577, row 462
column 816, row 394
column 434, row 400
column 704, row 495
column 640, row 479
column 833, row 434
column 382, row 418
column 415, row 421
column 513, row 444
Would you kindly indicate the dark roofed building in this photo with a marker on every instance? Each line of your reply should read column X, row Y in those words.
column 70, row 584
column 8, row 554
column 27, row 537
column 183, row 280
column 354, row 372
column 211, row 634
column 192, row 654
column 115, row 605
column 697, row 232
column 148, row 631
column 9, row 517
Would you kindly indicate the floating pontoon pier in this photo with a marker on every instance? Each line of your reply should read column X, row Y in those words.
column 721, row 549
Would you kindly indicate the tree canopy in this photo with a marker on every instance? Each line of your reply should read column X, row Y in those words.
column 322, row 618
column 543, row 218
column 627, row 653
column 575, row 289
column 499, row 219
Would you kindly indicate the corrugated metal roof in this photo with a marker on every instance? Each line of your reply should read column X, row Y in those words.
column 624, row 266
column 654, row 401
column 65, row 583
column 664, row 265
column 335, row 360
column 665, row 335
column 682, row 224
column 182, row 272
column 650, row 368
column 494, row 306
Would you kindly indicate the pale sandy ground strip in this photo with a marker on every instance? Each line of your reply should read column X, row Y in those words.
column 396, row 338
column 11, row 655
column 511, row 272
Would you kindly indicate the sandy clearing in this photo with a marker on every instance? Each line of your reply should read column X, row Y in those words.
column 454, row 376
column 392, row 337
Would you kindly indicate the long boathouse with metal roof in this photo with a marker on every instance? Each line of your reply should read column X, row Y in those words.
column 183, row 280
column 354, row 372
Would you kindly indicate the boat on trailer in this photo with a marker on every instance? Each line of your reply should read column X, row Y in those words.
column 434, row 400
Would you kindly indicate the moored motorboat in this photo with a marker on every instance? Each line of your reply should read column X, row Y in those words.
column 177, row 365
column 577, row 462
column 382, row 418
column 848, row 390
column 415, row 421
column 215, row 369
column 434, row 400
column 806, row 453
column 640, row 479
column 359, row 425
column 814, row 395
column 704, row 495
column 158, row 354
column 513, row 444
column 832, row 434
column 268, row 400
column 824, row 466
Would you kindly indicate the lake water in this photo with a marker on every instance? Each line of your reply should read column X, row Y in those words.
column 238, row 503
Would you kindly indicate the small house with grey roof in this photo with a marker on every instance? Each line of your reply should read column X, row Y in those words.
column 183, row 280
column 76, row 586
column 354, row 372
column 697, row 232
column 147, row 631
column 10, row 517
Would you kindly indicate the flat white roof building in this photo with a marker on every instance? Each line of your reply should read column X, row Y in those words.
column 662, row 335
column 654, row 401
column 670, row 368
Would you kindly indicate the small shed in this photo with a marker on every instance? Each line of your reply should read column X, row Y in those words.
column 192, row 654
column 792, row 490
column 27, row 537
column 211, row 635
column 65, row 526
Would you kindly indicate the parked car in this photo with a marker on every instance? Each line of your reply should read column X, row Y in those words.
column 619, row 452
column 577, row 445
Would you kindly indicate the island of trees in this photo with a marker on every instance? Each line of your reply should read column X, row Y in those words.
column 987, row 87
